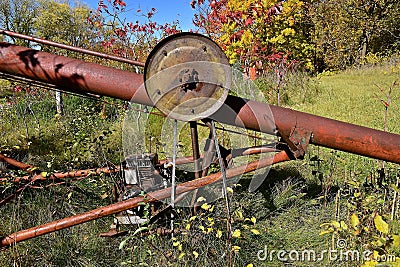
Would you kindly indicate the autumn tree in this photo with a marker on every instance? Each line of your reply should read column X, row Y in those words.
column 347, row 30
column 18, row 16
column 130, row 39
column 253, row 32
column 60, row 22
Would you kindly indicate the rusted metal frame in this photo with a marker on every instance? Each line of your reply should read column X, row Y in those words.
column 82, row 77
column 195, row 147
column 235, row 153
column 297, row 142
column 16, row 163
column 77, row 175
column 63, row 175
column 134, row 202
column 71, row 48
column 236, row 132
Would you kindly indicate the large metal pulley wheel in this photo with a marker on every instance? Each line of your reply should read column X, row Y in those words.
column 187, row 76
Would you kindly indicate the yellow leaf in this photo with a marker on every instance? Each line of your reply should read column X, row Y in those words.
column 239, row 214
column 187, row 226
column 255, row 231
column 236, row 248
column 236, row 233
column 396, row 240
column 253, row 220
column 354, row 220
column 201, row 227
column 177, row 243
column 200, row 199
column 343, row 225
column 250, row 265
column 181, row 255
column 196, row 255
column 219, row 233
column 381, row 225
column 205, row 206
column 229, row 189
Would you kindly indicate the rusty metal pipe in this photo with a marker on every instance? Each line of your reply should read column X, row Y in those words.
column 79, row 76
column 325, row 132
column 71, row 48
column 15, row 163
column 195, row 148
column 72, row 75
column 134, row 202
column 63, row 175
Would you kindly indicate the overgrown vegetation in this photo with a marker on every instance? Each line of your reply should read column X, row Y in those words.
column 339, row 191
column 331, row 200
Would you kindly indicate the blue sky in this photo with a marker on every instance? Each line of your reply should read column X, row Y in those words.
column 167, row 10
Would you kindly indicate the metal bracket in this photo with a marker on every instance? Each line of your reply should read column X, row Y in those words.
column 297, row 142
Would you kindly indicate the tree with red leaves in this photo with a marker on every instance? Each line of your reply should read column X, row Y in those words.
column 128, row 39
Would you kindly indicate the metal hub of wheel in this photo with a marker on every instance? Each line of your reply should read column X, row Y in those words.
column 187, row 77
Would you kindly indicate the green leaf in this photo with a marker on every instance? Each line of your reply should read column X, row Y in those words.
column 335, row 224
column 326, row 232
column 381, row 225
column 343, row 225
column 140, row 229
column 123, row 242
column 395, row 188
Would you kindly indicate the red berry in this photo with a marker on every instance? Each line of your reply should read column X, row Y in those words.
column 213, row 4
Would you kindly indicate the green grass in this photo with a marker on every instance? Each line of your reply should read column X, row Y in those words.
column 354, row 96
column 289, row 207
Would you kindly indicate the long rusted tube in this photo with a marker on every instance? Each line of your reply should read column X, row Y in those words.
column 15, row 163
column 71, row 74
column 63, row 175
column 71, row 48
column 134, row 202
column 79, row 76
column 325, row 132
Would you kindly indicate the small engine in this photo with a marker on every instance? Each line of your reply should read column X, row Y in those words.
column 140, row 174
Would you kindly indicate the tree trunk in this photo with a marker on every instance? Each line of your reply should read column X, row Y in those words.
column 364, row 44
column 59, row 103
